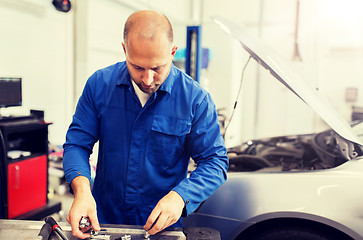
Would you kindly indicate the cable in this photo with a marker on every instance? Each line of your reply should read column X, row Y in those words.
column 239, row 91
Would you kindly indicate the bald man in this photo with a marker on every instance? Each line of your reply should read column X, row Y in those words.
column 150, row 118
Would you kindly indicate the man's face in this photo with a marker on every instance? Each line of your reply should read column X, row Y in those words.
column 149, row 61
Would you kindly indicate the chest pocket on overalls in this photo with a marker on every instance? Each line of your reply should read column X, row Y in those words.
column 167, row 140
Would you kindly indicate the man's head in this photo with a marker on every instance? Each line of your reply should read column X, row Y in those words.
column 149, row 50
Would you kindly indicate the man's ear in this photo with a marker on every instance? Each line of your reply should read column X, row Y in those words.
column 173, row 51
column 123, row 46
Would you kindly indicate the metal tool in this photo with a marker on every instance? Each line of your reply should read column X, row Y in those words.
column 84, row 222
column 126, row 237
column 45, row 231
column 56, row 227
column 102, row 234
column 146, row 235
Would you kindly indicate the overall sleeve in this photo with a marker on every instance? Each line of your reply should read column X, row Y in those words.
column 206, row 146
column 81, row 135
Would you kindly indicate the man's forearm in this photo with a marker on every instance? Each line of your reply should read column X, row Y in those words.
column 80, row 185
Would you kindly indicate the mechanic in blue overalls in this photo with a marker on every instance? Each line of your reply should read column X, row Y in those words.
column 150, row 118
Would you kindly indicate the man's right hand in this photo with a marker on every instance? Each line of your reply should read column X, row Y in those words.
column 83, row 205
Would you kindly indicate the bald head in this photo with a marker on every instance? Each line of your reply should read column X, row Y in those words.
column 148, row 25
column 148, row 48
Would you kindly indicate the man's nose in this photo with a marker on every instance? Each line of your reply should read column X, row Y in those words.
column 148, row 77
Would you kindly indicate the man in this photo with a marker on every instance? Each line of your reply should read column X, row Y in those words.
column 150, row 119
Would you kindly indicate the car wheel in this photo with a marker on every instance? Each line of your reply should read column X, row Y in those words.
column 293, row 234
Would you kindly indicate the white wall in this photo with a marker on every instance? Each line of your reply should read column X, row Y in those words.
column 36, row 44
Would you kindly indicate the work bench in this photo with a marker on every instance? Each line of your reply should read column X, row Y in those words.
column 24, row 229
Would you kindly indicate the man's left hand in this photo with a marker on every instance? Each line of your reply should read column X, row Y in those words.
column 166, row 212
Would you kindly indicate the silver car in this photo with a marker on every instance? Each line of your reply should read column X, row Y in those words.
column 301, row 187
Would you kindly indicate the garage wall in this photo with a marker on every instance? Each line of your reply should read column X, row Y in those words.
column 36, row 44
column 340, row 51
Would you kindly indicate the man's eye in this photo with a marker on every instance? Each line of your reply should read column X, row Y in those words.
column 156, row 69
column 137, row 68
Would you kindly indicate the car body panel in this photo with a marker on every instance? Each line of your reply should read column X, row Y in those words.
column 314, row 195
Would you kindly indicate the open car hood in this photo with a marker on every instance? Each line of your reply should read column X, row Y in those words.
column 280, row 70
